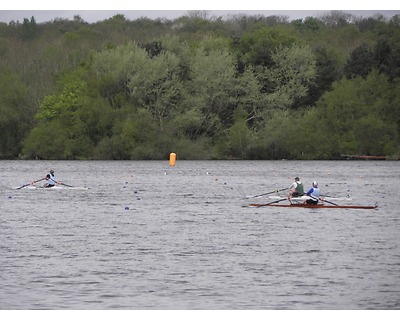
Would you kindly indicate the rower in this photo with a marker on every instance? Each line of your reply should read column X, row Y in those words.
column 296, row 189
column 50, row 179
column 314, row 194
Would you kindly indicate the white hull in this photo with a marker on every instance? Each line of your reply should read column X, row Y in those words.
column 299, row 199
column 52, row 188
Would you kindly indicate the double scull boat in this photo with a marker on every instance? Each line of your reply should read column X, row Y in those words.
column 300, row 202
column 310, row 206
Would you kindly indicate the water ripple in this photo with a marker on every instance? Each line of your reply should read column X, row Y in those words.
column 189, row 244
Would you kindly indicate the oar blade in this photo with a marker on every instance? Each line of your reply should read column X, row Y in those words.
column 23, row 186
column 324, row 200
column 67, row 185
column 33, row 182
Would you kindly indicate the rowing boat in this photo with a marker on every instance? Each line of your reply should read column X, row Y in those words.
column 310, row 206
column 56, row 187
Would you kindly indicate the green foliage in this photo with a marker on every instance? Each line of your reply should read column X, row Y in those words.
column 257, row 45
column 139, row 135
column 291, row 75
column 356, row 114
column 16, row 116
column 187, row 124
column 240, row 135
column 313, row 138
column 360, row 62
column 387, row 56
column 326, row 73
column 212, row 85
column 62, row 105
column 148, row 82
column 29, row 29
column 189, row 149
column 246, row 87
column 110, row 148
column 372, row 135
column 272, row 137
column 70, row 120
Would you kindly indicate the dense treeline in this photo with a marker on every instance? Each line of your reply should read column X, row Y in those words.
column 243, row 87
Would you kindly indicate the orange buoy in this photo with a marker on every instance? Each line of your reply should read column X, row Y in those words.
column 172, row 159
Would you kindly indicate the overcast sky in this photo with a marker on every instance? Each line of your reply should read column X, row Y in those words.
column 48, row 10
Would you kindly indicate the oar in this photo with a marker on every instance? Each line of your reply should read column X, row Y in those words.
column 329, row 196
column 264, row 194
column 67, row 185
column 25, row 185
column 328, row 202
column 266, row 204
column 64, row 184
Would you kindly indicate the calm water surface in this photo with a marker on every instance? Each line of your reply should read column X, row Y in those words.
column 144, row 235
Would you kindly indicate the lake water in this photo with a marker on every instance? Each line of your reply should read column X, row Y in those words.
column 145, row 235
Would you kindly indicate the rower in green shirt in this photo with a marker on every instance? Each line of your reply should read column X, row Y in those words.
column 296, row 189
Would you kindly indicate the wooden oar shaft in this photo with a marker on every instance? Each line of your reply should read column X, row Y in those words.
column 265, row 204
column 335, row 204
column 64, row 184
column 264, row 194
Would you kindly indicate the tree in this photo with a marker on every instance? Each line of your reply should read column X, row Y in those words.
column 272, row 137
column 244, row 87
column 308, row 24
column 372, row 135
column 290, row 77
column 240, row 135
column 357, row 105
column 387, row 57
column 337, row 19
column 258, row 44
column 327, row 72
column 140, row 135
column 382, row 55
column 157, row 87
column 16, row 115
column 212, row 86
column 68, row 120
column 147, row 82
column 216, row 89
column 360, row 62
column 29, row 29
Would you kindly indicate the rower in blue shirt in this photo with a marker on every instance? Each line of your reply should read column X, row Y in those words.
column 314, row 194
